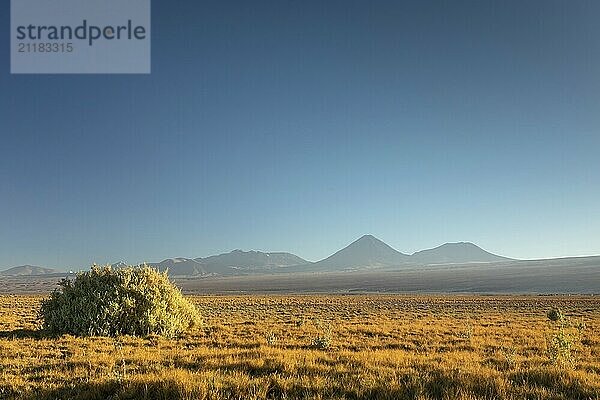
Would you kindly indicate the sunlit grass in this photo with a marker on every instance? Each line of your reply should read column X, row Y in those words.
column 263, row 347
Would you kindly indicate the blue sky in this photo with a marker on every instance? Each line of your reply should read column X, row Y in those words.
column 299, row 126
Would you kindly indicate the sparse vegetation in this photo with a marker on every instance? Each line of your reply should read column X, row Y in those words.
column 467, row 332
column 271, row 339
column 555, row 314
column 565, row 337
column 109, row 302
column 383, row 347
column 509, row 354
column 323, row 338
column 321, row 342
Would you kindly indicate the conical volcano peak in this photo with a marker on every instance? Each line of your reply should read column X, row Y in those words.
column 367, row 236
column 457, row 252
column 369, row 240
column 366, row 251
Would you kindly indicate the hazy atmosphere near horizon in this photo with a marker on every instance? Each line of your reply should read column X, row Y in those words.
column 300, row 126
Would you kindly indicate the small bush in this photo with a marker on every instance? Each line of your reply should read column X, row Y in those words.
column 321, row 342
column 555, row 315
column 561, row 343
column 108, row 302
column 560, row 346
column 467, row 332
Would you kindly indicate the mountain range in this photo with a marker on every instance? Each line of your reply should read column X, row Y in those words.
column 232, row 263
column 367, row 252
column 27, row 270
column 453, row 253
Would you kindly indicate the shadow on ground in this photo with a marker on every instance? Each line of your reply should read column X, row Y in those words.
column 436, row 385
column 24, row 334
column 172, row 390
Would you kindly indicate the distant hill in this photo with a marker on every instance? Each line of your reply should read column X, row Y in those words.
column 365, row 265
column 248, row 261
column 555, row 276
column 367, row 251
column 235, row 262
column 181, row 266
column 455, row 253
column 27, row 270
column 119, row 264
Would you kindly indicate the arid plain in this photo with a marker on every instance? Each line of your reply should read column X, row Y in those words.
column 320, row 347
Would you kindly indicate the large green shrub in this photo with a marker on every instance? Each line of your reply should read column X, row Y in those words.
column 109, row 302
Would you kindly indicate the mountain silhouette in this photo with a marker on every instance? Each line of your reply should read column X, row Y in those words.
column 27, row 270
column 119, row 264
column 455, row 253
column 248, row 261
column 364, row 253
column 367, row 251
column 181, row 266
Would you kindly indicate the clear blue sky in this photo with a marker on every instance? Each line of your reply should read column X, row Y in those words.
column 301, row 125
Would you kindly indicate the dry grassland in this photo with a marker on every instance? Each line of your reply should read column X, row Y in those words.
column 319, row 347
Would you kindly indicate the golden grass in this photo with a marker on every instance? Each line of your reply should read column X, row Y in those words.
column 260, row 347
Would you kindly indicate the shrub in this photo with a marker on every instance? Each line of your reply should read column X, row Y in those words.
column 561, row 343
column 509, row 354
column 109, row 302
column 555, row 315
column 323, row 340
column 467, row 332
column 560, row 347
